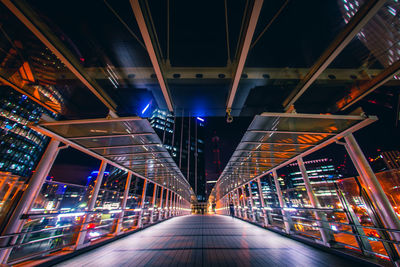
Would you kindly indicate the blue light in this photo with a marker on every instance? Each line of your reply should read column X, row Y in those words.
column 200, row 119
column 144, row 110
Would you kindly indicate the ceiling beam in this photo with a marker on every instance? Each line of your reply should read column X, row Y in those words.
column 32, row 21
column 360, row 91
column 250, row 24
column 110, row 136
column 29, row 95
column 353, row 27
column 155, row 58
column 144, row 74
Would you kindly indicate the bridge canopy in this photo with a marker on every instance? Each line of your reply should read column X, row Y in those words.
column 274, row 140
column 128, row 142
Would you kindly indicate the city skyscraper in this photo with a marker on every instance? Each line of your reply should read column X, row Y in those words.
column 20, row 146
column 382, row 33
column 180, row 135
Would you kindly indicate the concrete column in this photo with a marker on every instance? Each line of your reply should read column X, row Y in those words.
column 91, row 205
column 140, row 218
column 378, row 196
column 153, row 203
column 322, row 222
column 15, row 223
column 262, row 203
column 123, row 203
column 282, row 203
column 166, row 204
column 160, row 209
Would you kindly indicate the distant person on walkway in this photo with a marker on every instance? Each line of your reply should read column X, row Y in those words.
column 232, row 210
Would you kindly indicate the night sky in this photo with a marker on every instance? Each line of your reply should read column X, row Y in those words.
column 197, row 40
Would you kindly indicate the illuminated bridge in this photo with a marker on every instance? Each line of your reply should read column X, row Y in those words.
column 199, row 133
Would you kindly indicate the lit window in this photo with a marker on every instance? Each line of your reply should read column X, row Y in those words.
column 392, row 11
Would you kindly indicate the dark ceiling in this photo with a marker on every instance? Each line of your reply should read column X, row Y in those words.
column 198, row 45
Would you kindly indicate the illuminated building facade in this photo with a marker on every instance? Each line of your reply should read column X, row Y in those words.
column 382, row 33
column 174, row 133
column 20, row 146
column 319, row 171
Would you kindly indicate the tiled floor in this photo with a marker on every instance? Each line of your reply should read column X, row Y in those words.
column 206, row 241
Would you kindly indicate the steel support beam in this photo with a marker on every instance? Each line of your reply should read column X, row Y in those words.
column 250, row 24
column 239, row 205
column 143, row 200
column 282, row 203
column 153, row 203
column 125, row 146
column 262, row 203
column 15, row 223
column 144, row 74
column 160, row 209
column 32, row 21
column 166, row 206
column 91, row 205
column 353, row 27
column 359, row 92
column 251, row 202
column 270, row 143
column 326, row 235
column 372, row 185
column 148, row 35
column 110, row 136
column 171, row 197
column 123, row 203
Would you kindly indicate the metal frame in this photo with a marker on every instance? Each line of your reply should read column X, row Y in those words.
column 245, row 43
column 370, row 86
column 151, row 50
column 32, row 21
column 87, row 151
column 22, row 91
column 269, row 143
column 110, row 136
column 290, row 132
column 364, row 121
column 125, row 146
column 353, row 27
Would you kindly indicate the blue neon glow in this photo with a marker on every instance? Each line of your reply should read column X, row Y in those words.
column 144, row 110
column 200, row 119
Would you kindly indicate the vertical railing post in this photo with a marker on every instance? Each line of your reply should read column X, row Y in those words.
column 252, row 210
column 123, row 204
column 239, row 208
column 262, row 203
column 377, row 194
column 239, row 205
column 170, row 203
column 36, row 182
column 175, row 205
column 143, row 200
column 153, row 203
column 160, row 209
column 323, row 225
column 286, row 217
column 166, row 204
column 91, row 205
column 244, row 201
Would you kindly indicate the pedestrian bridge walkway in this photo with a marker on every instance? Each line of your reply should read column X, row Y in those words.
column 211, row 240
